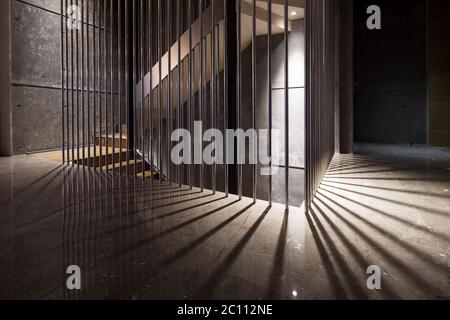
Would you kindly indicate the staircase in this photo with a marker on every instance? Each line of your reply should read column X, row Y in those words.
column 105, row 154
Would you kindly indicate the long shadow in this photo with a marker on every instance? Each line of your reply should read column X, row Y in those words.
column 181, row 201
column 443, row 179
column 274, row 289
column 187, row 249
column 338, row 174
column 325, row 181
column 355, row 253
column 175, row 196
column 445, row 214
column 177, row 227
column 427, row 259
column 222, row 270
column 405, row 268
column 349, row 167
column 46, row 175
column 443, row 236
column 340, row 261
column 335, row 282
column 165, row 215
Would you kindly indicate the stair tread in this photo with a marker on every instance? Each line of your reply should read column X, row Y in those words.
column 117, row 136
column 146, row 174
column 124, row 163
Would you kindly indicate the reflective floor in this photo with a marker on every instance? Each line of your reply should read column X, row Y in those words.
column 136, row 239
column 143, row 240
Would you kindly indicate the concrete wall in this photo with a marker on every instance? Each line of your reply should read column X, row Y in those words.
column 390, row 73
column 35, row 76
column 5, row 79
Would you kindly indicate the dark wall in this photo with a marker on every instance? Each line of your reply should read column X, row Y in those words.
column 390, row 73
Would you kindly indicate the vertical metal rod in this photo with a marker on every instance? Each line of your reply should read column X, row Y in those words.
column 212, row 89
column 238, row 95
column 77, row 39
column 83, row 75
column 134, row 90
column 225, row 92
column 159, row 26
column 286, row 99
column 190, row 88
column 94, row 80
column 127, row 90
column 254, row 147
column 105, row 78
column 169, row 87
column 99, row 86
column 269, row 93
column 150, row 94
column 201, row 92
column 63, row 149
column 216, row 90
column 119, row 78
column 72, row 98
column 88, row 78
column 111, row 101
column 142, row 73
column 179, row 80
column 67, row 83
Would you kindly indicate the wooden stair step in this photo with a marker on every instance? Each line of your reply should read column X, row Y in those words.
column 100, row 161
column 122, row 167
column 148, row 174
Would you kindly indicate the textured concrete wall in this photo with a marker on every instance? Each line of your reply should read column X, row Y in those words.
column 390, row 73
column 5, row 79
column 36, row 83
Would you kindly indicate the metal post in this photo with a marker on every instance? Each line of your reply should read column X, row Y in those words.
column 111, row 101
column 67, row 84
column 169, row 87
column 179, row 80
column 159, row 26
column 225, row 92
column 212, row 88
column 63, row 71
column 105, row 79
column 72, row 104
column 134, row 107
column 238, row 95
column 83, row 71
column 99, row 85
column 119, row 78
column 201, row 92
column 142, row 73
column 127, row 88
column 190, row 87
column 88, row 78
column 150, row 95
column 254, row 147
column 77, row 55
column 269, row 93
column 95, row 77
column 286, row 99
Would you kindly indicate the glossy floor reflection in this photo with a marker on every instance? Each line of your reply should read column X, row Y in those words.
column 135, row 239
column 142, row 240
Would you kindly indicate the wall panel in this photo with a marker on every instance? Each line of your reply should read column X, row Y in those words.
column 439, row 72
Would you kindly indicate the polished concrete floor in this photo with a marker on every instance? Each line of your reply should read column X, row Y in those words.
column 143, row 240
